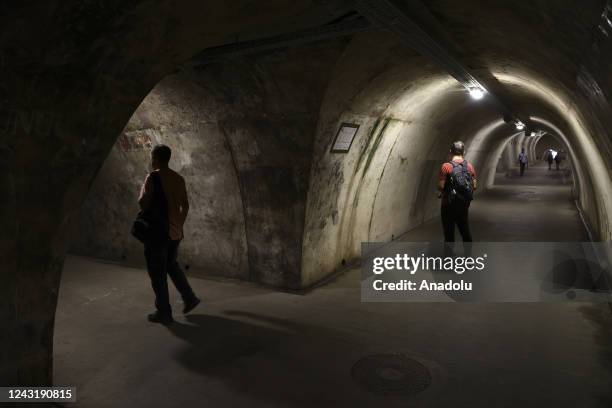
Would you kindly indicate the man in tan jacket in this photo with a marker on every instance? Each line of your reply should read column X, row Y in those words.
column 161, row 254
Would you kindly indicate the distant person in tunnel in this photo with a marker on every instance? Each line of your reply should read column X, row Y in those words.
column 549, row 158
column 558, row 159
column 456, row 183
column 522, row 159
column 166, row 189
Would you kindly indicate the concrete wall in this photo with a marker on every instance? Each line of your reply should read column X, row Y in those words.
column 408, row 114
column 241, row 133
column 507, row 161
column 182, row 115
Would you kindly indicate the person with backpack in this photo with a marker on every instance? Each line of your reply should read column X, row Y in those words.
column 163, row 198
column 522, row 159
column 456, row 183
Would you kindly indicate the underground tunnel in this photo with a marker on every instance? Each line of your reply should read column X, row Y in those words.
column 303, row 131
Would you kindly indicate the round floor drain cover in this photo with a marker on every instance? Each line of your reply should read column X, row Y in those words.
column 391, row 374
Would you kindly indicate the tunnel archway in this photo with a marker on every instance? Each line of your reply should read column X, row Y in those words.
column 64, row 113
column 78, row 75
column 242, row 139
column 397, row 107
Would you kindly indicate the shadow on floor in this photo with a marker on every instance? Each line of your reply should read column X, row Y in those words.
column 219, row 341
column 258, row 361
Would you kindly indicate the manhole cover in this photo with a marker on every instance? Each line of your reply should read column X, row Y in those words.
column 391, row 374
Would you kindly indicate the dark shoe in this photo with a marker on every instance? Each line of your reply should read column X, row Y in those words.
column 160, row 318
column 189, row 306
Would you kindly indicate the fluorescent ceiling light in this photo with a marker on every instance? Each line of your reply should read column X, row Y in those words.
column 476, row 93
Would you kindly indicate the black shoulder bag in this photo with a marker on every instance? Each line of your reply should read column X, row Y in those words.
column 152, row 224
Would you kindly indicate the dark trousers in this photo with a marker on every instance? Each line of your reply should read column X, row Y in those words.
column 456, row 213
column 522, row 168
column 161, row 260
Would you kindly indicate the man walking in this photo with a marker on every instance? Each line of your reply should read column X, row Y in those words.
column 457, row 182
column 165, row 188
column 522, row 159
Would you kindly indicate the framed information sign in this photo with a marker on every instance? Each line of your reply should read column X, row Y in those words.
column 344, row 138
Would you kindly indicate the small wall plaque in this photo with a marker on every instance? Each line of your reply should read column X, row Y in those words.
column 344, row 138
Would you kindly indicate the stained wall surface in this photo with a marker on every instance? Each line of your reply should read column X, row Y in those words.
column 177, row 113
column 241, row 133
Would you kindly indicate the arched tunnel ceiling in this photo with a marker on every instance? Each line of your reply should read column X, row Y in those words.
column 515, row 57
column 550, row 38
column 377, row 77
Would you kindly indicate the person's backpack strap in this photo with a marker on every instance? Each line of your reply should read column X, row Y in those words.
column 155, row 178
column 161, row 204
column 143, row 228
column 449, row 176
column 158, row 188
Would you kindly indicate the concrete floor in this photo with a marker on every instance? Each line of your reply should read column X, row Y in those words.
column 252, row 346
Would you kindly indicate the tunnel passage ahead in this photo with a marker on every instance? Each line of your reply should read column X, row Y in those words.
column 546, row 355
column 537, row 207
